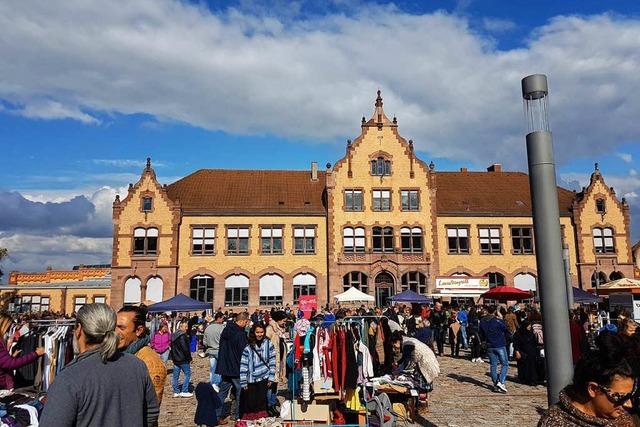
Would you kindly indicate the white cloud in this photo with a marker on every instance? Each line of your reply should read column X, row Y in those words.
column 497, row 25
column 124, row 163
column 452, row 91
column 46, row 109
column 626, row 157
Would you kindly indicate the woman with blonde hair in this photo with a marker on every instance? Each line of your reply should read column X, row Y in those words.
column 9, row 362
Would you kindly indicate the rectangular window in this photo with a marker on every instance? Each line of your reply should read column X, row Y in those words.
column 145, row 241
column 271, row 300
column 353, row 240
column 147, row 204
column 411, row 239
column 203, row 239
column 35, row 303
column 381, row 200
column 304, row 239
column 78, row 303
column 410, row 200
column 603, row 241
column 382, row 239
column 353, row 200
column 238, row 240
column 489, row 240
column 458, row 239
column 302, row 290
column 271, row 239
column 236, row 297
column 100, row 299
column 44, row 304
column 522, row 240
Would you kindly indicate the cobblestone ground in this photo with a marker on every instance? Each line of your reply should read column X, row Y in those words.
column 461, row 398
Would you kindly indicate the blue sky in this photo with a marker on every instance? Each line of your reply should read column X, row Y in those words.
column 279, row 84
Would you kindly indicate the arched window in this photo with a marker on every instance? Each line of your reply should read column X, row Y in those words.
column 353, row 240
column 603, row 240
column 382, row 239
column 154, row 289
column 525, row 282
column 411, row 239
column 380, row 167
column 145, row 241
column 271, row 289
column 356, row 279
column 598, row 279
column 236, row 290
column 415, row 281
column 303, row 284
column 616, row 275
column 495, row 279
column 132, row 291
column 601, row 207
column 201, row 288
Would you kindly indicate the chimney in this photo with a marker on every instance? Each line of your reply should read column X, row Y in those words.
column 464, row 170
column 314, row 171
column 496, row 167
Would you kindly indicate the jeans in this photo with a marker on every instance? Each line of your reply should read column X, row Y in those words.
column 439, row 336
column 164, row 356
column 463, row 333
column 272, row 399
column 225, row 387
column 186, row 368
column 498, row 355
column 213, row 377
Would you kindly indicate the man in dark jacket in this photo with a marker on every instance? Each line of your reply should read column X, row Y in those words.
column 181, row 356
column 438, row 321
column 233, row 340
column 493, row 331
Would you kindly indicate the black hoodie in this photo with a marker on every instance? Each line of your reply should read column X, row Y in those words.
column 180, row 348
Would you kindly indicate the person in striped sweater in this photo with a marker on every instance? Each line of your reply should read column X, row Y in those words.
column 257, row 373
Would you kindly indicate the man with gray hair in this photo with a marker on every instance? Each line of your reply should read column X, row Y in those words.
column 101, row 386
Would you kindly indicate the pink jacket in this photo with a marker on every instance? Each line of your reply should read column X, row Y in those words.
column 160, row 342
column 8, row 364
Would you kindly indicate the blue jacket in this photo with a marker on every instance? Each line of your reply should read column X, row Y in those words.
column 492, row 331
column 462, row 317
column 233, row 340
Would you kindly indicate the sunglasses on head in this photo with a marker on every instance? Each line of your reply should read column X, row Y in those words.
column 615, row 397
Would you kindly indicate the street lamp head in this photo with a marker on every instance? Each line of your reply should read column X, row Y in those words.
column 535, row 96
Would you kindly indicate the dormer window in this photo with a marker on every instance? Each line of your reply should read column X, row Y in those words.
column 147, row 204
column 380, row 167
column 600, row 206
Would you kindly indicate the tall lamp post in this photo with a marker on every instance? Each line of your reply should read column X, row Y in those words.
column 546, row 224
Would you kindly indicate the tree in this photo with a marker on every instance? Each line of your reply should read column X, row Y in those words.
column 3, row 254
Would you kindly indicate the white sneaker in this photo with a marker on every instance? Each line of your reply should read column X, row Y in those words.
column 501, row 387
column 176, row 394
column 216, row 388
column 186, row 394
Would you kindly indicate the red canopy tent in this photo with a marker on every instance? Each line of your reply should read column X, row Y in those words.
column 506, row 293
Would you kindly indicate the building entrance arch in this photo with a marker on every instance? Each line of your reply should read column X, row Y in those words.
column 385, row 288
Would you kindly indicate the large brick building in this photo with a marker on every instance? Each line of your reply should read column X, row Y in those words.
column 380, row 219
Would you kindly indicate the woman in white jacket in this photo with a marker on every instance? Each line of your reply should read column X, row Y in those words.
column 418, row 361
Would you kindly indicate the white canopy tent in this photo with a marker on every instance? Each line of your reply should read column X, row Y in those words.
column 354, row 295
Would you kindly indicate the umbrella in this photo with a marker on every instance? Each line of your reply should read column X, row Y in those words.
column 180, row 302
column 506, row 293
column 410, row 296
column 354, row 295
column 581, row 296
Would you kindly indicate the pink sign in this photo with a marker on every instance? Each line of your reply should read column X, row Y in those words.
column 307, row 304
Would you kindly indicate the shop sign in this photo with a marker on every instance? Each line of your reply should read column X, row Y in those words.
column 461, row 283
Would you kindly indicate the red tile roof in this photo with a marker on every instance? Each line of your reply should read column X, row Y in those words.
column 250, row 192
column 499, row 193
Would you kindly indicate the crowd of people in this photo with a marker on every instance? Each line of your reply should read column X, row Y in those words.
column 125, row 355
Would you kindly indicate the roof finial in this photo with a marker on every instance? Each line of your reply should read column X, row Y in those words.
column 379, row 99
column 432, row 165
column 148, row 162
column 596, row 166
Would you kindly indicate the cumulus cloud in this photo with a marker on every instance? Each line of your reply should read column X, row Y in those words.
column 454, row 93
column 626, row 157
column 47, row 109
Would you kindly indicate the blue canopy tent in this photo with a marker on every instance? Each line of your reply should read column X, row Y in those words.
column 180, row 302
column 583, row 297
column 410, row 296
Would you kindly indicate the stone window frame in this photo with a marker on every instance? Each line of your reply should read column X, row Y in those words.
column 500, row 238
column 373, row 199
column 75, row 301
column 383, row 249
column 411, row 240
column 147, row 195
column 354, row 227
column 206, row 290
column 99, row 296
column 419, row 284
column 602, row 236
column 350, row 281
column 193, row 227
column 457, row 250
column 532, row 237
column 227, row 227
column 241, row 302
column 603, row 199
column 497, row 273
column 272, row 227
column 345, row 207
column 315, row 239
column 295, row 287
column 411, row 189
column 145, row 252
column 387, row 165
